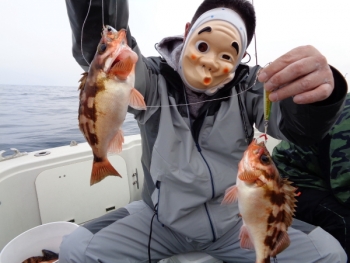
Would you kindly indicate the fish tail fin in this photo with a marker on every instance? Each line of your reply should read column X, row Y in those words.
column 230, row 195
column 137, row 100
column 101, row 169
column 116, row 145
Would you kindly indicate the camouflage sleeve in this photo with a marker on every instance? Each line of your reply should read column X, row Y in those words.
column 299, row 164
column 323, row 166
column 339, row 153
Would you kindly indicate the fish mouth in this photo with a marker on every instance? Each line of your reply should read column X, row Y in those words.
column 111, row 60
column 261, row 149
column 117, row 60
column 259, row 143
column 117, row 40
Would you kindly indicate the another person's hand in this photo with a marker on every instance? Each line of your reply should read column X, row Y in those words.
column 303, row 73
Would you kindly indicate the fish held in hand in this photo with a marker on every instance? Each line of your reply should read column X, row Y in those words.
column 106, row 91
column 266, row 203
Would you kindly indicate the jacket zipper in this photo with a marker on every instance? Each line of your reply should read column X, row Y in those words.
column 210, row 173
column 211, row 223
column 213, row 192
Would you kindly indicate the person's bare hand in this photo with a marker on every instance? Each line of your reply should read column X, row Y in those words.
column 303, row 73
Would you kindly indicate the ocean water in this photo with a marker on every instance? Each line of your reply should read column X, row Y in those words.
column 34, row 118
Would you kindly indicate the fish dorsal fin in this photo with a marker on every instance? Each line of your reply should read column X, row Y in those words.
column 246, row 243
column 123, row 68
column 290, row 201
column 136, row 100
column 230, row 195
column 82, row 82
column 282, row 243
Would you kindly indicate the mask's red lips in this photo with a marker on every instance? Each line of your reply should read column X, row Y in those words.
column 207, row 81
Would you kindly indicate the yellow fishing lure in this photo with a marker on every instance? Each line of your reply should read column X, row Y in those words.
column 267, row 108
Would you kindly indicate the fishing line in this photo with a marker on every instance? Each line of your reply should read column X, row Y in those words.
column 82, row 29
column 103, row 18
column 256, row 49
column 248, row 59
column 187, row 104
column 81, row 34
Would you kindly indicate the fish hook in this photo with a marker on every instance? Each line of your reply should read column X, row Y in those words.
column 267, row 103
column 264, row 135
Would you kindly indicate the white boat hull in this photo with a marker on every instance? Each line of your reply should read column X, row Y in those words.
column 56, row 187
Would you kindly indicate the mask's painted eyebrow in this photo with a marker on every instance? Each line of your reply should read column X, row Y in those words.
column 206, row 29
column 235, row 46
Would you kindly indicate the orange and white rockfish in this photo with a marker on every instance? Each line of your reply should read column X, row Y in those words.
column 266, row 203
column 48, row 257
column 106, row 91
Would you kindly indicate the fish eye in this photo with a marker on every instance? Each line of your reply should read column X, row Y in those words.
column 102, row 48
column 202, row 46
column 109, row 29
column 226, row 57
column 265, row 159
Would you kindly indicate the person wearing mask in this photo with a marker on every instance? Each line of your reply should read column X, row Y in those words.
column 204, row 104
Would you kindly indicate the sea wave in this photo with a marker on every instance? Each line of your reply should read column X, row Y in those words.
column 34, row 118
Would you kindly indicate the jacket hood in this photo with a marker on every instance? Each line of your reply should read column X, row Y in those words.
column 170, row 49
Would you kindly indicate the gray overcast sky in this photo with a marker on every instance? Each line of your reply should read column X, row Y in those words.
column 35, row 41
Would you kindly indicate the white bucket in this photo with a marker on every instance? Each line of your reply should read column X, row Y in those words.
column 31, row 242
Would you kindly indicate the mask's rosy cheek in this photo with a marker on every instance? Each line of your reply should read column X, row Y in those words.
column 193, row 56
column 226, row 70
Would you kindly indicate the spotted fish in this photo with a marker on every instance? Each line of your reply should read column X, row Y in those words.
column 48, row 257
column 106, row 91
column 266, row 203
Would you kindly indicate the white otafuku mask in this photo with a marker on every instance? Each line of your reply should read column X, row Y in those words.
column 212, row 51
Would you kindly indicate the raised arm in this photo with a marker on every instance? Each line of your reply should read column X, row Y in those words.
column 308, row 95
column 86, row 23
